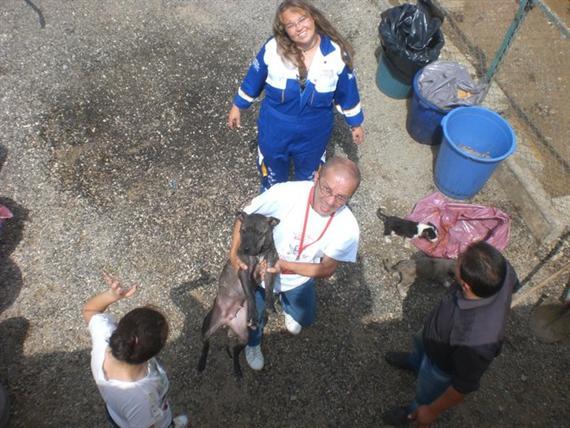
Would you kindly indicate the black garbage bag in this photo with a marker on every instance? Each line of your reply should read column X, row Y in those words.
column 411, row 36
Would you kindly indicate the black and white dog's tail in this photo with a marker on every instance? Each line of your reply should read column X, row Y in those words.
column 380, row 214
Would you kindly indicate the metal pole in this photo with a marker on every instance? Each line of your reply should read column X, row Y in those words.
column 554, row 19
column 524, row 7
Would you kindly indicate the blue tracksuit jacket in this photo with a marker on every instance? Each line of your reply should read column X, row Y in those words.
column 296, row 123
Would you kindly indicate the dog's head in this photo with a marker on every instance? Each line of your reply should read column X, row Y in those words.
column 428, row 231
column 256, row 233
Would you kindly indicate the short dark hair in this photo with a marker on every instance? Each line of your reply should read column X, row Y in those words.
column 483, row 268
column 139, row 336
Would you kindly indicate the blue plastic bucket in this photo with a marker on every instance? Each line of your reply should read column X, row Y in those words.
column 390, row 81
column 475, row 141
column 424, row 118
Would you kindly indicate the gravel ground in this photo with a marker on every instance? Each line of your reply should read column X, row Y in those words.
column 115, row 157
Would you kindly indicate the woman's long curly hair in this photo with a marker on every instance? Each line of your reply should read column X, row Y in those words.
column 289, row 51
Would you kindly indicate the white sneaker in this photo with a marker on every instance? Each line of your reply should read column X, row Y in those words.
column 180, row 421
column 254, row 357
column 293, row 326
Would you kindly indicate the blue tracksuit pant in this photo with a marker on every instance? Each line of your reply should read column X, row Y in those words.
column 283, row 138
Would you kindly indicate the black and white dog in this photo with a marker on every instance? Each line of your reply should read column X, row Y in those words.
column 407, row 228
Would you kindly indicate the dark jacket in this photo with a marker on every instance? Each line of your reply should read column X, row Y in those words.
column 462, row 336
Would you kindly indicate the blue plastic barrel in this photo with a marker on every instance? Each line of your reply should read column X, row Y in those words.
column 424, row 118
column 390, row 81
column 475, row 141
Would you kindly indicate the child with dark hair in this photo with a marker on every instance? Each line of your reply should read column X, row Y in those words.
column 132, row 383
column 460, row 337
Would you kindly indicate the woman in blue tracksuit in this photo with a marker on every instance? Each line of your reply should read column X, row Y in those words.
column 305, row 70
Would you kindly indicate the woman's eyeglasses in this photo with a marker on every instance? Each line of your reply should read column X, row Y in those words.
column 298, row 22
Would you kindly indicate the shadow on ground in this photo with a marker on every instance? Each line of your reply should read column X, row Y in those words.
column 333, row 374
column 10, row 235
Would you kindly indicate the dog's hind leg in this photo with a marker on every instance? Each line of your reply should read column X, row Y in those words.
column 212, row 322
column 237, row 367
column 239, row 327
column 204, row 355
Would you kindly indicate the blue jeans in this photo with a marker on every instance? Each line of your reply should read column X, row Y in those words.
column 300, row 303
column 431, row 381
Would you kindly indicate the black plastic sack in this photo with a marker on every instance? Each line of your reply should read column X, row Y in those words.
column 411, row 36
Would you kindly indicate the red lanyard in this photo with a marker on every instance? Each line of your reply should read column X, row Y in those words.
column 301, row 246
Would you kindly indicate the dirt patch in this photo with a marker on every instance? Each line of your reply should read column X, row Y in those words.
column 146, row 124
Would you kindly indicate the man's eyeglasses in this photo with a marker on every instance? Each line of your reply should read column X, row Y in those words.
column 299, row 21
column 327, row 192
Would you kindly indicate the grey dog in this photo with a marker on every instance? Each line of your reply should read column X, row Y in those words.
column 234, row 305
column 425, row 269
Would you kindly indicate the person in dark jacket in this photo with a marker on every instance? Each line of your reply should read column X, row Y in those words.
column 460, row 337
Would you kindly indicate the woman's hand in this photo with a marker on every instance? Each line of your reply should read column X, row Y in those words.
column 234, row 117
column 357, row 135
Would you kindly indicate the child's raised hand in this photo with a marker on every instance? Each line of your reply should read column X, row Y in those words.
column 116, row 288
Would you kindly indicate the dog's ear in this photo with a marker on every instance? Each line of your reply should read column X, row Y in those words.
column 273, row 221
column 241, row 215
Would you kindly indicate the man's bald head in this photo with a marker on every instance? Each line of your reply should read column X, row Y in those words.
column 343, row 167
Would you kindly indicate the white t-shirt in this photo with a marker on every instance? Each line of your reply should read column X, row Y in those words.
column 137, row 404
column 288, row 203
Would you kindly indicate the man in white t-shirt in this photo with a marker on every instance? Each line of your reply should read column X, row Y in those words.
column 316, row 231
